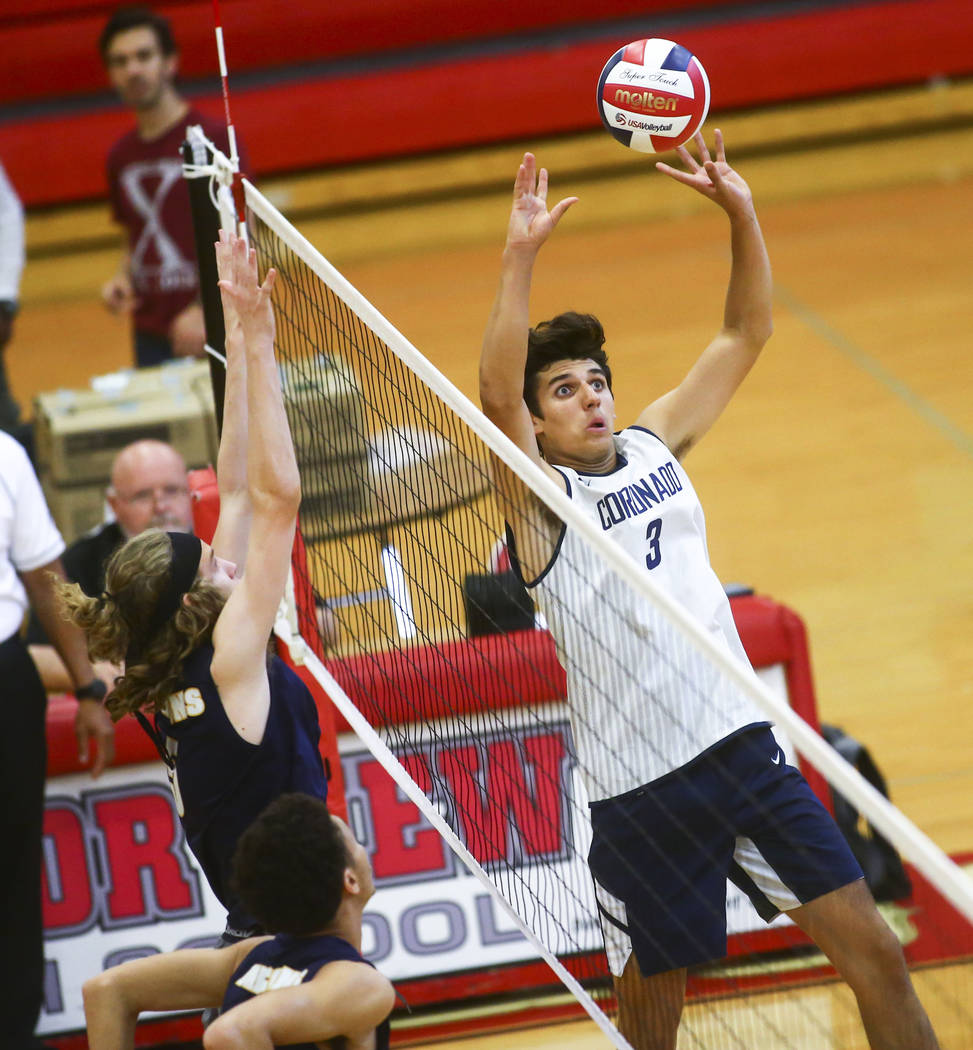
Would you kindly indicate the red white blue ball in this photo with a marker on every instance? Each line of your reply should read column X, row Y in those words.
column 653, row 95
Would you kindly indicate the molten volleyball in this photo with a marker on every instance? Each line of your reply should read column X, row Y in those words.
column 653, row 95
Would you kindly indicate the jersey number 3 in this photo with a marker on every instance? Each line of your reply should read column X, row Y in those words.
column 652, row 534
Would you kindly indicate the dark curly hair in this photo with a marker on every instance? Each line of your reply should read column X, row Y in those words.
column 568, row 337
column 135, row 577
column 137, row 17
column 289, row 866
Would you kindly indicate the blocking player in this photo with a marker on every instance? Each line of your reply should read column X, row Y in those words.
column 687, row 784
column 301, row 872
column 192, row 620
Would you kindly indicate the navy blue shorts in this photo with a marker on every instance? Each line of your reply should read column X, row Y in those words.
column 661, row 854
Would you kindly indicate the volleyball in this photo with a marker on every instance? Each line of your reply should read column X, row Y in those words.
column 653, row 95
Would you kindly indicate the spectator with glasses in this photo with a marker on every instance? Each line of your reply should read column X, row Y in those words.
column 148, row 489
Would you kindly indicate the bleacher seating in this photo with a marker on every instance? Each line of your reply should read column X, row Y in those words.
column 319, row 85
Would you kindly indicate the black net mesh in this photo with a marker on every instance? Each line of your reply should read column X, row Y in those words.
column 434, row 637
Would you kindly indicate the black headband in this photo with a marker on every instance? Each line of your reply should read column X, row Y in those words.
column 186, row 553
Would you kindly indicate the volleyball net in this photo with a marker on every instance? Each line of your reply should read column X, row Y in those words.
column 445, row 669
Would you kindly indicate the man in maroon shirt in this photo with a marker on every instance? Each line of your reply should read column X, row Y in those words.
column 157, row 281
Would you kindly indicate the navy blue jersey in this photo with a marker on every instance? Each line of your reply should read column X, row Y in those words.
column 286, row 961
column 220, row 781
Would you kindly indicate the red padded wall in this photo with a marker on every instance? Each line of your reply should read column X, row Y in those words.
column 50, row 46
column 325, row 121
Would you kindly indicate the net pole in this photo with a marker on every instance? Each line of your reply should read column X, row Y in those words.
column 206, row 232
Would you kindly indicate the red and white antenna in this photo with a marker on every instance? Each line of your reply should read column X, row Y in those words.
column 221, row 53
column 228, row 204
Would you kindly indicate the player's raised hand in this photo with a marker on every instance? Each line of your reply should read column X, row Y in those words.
column 530, row 221
column 712, row 177
column 231, row 322
column 245, row 298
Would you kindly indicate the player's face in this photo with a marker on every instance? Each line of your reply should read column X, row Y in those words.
column 218, row 571
column 358, row 860
column 137, row 68
column 577, row 414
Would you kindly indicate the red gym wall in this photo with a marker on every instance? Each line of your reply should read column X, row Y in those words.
column 316, row 85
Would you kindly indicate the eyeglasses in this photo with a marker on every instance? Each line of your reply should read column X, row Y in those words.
column 162, row 494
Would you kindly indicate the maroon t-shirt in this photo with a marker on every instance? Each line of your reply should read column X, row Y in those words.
column 149, row 197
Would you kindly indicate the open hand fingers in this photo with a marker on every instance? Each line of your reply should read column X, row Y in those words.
column 687, row 178
column 720, row 149
column 240, row 269
column 227, row 253
column 701, row 146
column 560, row 208
column 524, row 186
column 686, row 157
column 268, row 286
column 713, row 171
column 704, row 154
column 222, row 253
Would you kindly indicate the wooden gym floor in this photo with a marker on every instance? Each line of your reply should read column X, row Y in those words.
column 840, row 481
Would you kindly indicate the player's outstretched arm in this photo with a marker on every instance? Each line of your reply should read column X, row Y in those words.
column 191, row 979
column 504, row 356
column 273, row 484
column 233, row 527
column 504, row 351
column 344, row 999
column 682, row 416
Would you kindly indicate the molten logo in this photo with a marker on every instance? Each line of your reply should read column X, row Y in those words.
column 645, row 101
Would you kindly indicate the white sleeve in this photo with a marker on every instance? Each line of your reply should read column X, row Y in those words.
column 35, row 539
column 11, row 239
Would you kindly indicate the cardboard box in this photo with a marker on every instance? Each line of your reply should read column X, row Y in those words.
column 78, row 433
column 75, row 508
column 324, row 408
column 409, row 474
column 182, row 373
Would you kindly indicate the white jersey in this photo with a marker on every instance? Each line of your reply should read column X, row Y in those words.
column 643, row 700
column 11, row 239
column 28, row 536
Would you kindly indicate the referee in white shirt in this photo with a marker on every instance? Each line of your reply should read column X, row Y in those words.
column 11, row 267
column 30, row 550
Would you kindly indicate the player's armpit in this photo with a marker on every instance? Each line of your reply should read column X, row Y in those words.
column 536, row 530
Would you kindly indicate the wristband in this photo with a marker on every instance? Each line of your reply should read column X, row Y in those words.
column 94, row 690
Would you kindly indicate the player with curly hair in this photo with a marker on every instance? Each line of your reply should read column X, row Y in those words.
column 301, row 873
